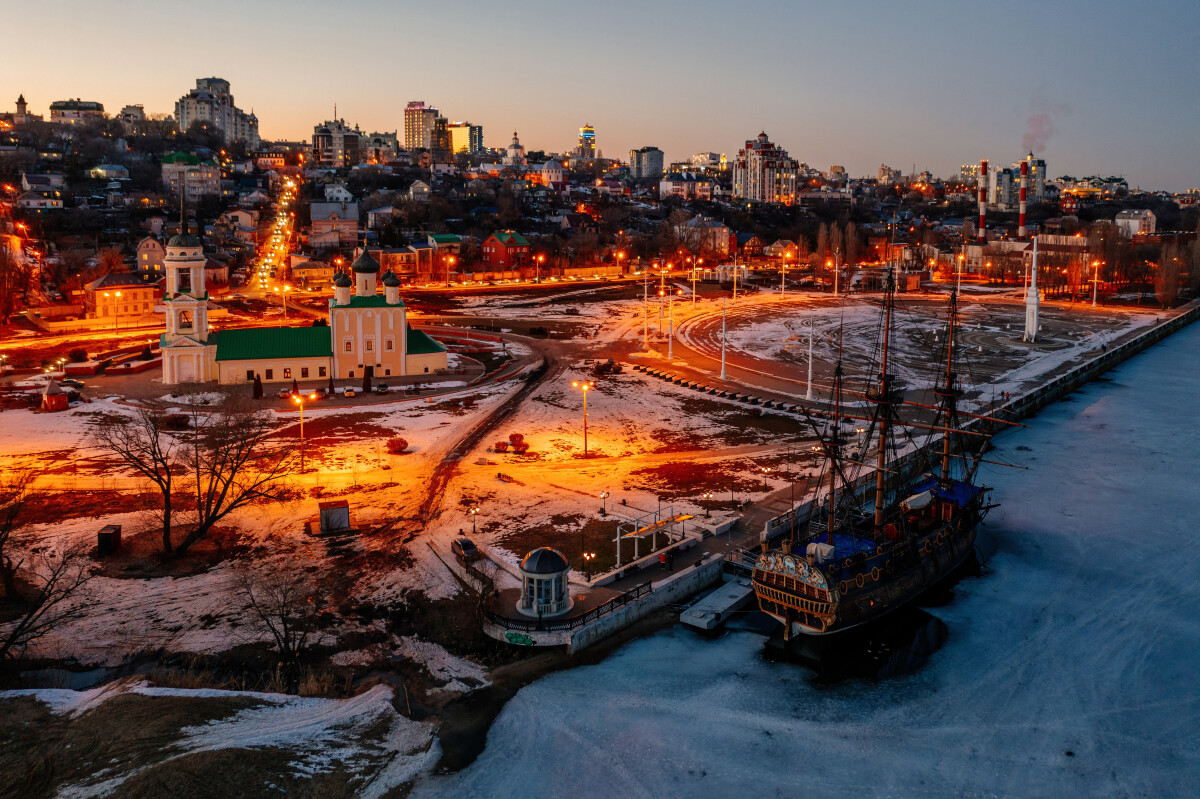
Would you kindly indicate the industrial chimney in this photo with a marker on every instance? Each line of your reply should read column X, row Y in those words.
column 982, row 201
column 1024, row 187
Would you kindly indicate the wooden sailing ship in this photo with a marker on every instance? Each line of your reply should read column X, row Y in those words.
column 868, row 552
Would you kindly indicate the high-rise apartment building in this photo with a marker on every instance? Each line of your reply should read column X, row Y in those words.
column 440, row 144
column 646, row 163
column 335, row 144
column 211, row 103
column 587, row 142
column 764, row 173
column 466, row 138
column 419, row 120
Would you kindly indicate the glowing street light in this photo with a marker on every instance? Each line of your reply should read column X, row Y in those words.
column 584, row 386
column 604, row 495
column 299, row 400
column 707, row 497
column 473, row 512
column 587, row 565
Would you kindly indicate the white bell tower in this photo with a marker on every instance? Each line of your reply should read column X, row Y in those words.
column 188, row 356
column 1032, row 300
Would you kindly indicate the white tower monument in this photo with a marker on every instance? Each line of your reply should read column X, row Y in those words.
column 188, row 357
column 1031, row 300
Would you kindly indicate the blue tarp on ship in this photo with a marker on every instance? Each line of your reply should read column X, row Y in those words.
column 956, row 491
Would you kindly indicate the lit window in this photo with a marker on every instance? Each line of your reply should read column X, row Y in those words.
column 370, row 345
column 320, row 371
column 349, row 346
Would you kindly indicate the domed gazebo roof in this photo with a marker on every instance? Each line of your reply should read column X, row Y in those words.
column 544, row 560
column 390, row 280
column 365, row 264
column 341, row 281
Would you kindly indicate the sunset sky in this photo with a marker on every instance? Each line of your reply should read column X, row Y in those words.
column 1093, row 87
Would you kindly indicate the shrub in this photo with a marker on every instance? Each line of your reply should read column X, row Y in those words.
column 468, row 402
column 396, row 445
column 176, row 421
column 520, row 448
column 516, row 439
column 77, row 355
column 501, row 446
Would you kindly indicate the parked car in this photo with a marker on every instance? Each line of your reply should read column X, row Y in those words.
column 284, row 393
column 382, row 388
column 320, row 393
column 348, row 391
column 71, row 382
column 465, row 550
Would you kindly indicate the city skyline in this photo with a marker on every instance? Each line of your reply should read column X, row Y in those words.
column 928, row 86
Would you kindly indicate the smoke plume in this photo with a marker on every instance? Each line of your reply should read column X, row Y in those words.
column 1039, row 126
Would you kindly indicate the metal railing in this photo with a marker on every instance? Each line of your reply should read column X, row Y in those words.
column 553, row 625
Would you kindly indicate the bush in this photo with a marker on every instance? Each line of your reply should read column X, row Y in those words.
column 501, row 446
column 77, row 355
column 516, row 439
column 468, row 402
column 176, row 421
column 397, row 445
column 520, row 448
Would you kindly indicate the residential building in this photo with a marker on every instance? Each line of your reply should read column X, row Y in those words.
column 441, row 148
column 686, row 186
column 32, row 201
column 419, row 191
column 466, row 138
column 764, row 173
column 701, row 235
column 186, row 173
column 74, row 112
column 211, row 104
column 1134, row 222
column 333, row 224
column 131, row 115
column 646, row 163
column 378, row 148
column 587, row 142
column 109, row 172
column 708, row 162
column 505, row 249
column 887, row 175
column 338, row 193
column 335, row 144
column 418, row 125
column 313, row 274
column 122, row 298
column 151, row 257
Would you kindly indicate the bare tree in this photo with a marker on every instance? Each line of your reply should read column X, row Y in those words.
column 55, row 581
column 1166, row 279
column 15, row 275
column 231, row 463
column 13, row 493
column 287, row 604
column 145, row 444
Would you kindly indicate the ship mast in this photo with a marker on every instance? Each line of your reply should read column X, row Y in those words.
column 949, row 391
column 883, row 398
column 834, row 446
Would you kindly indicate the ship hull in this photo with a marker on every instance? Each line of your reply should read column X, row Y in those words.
column 862, row 592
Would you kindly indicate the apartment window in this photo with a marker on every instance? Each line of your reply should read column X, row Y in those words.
column 320, row 371
column 349, row 346
column 270, row 374
column 351, row 375
column 387, row 345
column 387, row 372
column 426, row 368
column 304, row 371
column 249, row 374
column 370, row 345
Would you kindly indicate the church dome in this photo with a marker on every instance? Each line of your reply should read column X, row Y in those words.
column 390, row 280
column 544, row 560
column 341, row 281
column 184, row 239
column 365, row 264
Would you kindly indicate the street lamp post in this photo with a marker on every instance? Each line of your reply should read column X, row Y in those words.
column 1095, row 281
column 722, row 339
column 474, row 512
column 707, row 496
column 299, row 400
column 587, row 565
column 585, row 386
column 604, row 503
column 671, row 328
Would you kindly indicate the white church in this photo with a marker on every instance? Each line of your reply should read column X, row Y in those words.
column 367, row 333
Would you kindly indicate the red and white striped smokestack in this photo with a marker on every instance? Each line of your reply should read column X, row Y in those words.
column 982, row 201
column 1024, row 186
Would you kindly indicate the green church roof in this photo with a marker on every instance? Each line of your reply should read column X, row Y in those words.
column 261, row 343
column 420, row 343
column 376, row 301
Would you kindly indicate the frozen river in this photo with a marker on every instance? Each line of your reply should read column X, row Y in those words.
column 1071, row 668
